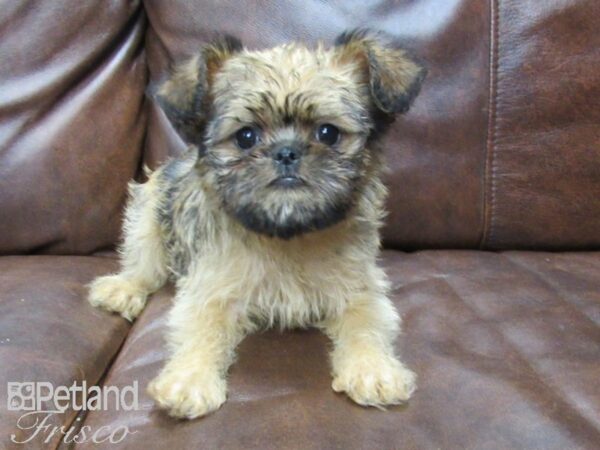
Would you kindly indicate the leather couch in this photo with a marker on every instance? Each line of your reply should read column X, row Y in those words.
column 491, row 241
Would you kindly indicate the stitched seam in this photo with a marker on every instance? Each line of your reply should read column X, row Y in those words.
column 490, row 163
column 100, row 382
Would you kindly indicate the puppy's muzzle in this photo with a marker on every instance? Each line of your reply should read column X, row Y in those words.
column 287, row 158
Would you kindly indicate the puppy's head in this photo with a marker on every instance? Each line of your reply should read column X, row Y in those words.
column 284, row 132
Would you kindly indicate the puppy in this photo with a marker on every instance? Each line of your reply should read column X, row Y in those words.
column 272, row 216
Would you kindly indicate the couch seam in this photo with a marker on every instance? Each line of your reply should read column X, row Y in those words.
column 60, row 444
column 139, row 175
column 151, row 107
column 98, row 382
column 489, row 195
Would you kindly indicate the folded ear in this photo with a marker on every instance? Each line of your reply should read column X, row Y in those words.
column 394, row 77
column 184, row 94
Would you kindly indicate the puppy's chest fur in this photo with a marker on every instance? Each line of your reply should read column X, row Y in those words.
column 293, row 282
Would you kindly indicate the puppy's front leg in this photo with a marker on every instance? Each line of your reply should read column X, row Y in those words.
column 203, row 334
column 363, row 361
column 143, row 257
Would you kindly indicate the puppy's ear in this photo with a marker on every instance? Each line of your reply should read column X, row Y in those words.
column 394, row 77
column 184, row 94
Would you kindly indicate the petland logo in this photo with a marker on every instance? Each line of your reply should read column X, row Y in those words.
column 41, row 400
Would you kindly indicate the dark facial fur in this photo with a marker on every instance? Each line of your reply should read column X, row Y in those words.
column 284, row 95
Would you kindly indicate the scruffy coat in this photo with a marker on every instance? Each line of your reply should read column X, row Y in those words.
column 245, row 254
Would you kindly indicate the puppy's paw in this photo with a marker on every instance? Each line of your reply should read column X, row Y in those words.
column 374, row 381
column 118, row 294
column 187, row 394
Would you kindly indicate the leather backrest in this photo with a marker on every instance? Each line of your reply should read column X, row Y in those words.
column 72, row 121
column 500, row 150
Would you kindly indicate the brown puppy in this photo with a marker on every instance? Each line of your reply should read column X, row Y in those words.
column 272, row 217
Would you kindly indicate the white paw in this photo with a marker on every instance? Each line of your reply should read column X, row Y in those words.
column 117, row 294
column 187, row 394
column 374, row 381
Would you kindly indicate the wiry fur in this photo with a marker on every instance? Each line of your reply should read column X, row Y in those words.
column 245, row 254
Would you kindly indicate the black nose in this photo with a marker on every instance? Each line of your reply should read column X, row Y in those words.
column 287, row 156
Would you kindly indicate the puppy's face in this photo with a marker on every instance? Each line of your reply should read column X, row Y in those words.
column 284, row 131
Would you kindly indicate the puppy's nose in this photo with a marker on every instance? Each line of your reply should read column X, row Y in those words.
column 287, row 156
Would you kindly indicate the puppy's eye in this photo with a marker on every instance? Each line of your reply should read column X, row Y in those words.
column 328, row 134
column 246, row 138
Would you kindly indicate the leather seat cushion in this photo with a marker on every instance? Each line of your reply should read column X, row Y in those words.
column 506, row 347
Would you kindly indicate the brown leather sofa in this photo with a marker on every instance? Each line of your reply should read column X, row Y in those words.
column 494, row 219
